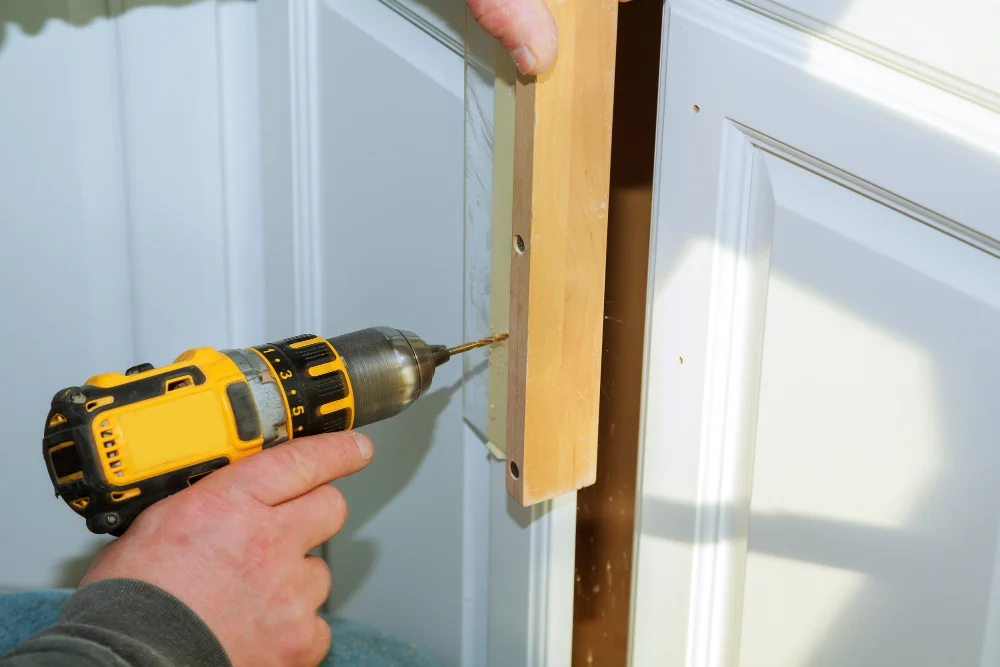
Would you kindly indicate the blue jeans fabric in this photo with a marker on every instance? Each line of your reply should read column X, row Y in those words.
column 354, row 645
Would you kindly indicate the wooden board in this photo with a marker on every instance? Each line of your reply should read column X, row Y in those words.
column 606, row 510
column 561, row 163
column 503, row 199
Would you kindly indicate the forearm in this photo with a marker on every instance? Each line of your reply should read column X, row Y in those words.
column 122, row 623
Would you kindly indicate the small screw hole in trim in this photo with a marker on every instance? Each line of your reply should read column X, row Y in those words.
column 514, row 472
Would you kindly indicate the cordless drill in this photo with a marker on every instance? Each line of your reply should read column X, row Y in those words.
column 120, row 443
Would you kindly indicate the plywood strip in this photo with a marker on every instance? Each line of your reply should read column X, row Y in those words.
column 557, row 249
column 503, row 199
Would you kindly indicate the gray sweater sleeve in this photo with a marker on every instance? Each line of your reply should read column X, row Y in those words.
column 122, row 623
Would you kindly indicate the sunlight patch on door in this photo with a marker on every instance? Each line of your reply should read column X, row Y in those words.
column 790, row 606
column 848, row 418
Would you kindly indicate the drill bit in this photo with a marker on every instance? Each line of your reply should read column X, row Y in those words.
column 442, row 354
column 483, row 342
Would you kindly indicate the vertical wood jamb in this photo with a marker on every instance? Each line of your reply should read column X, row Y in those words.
column 606, row 511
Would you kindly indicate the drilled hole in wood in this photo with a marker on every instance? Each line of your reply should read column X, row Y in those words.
column 519, row 245
column 514, row 472
column 697, row 108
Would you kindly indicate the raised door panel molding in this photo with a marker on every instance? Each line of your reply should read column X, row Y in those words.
column 950, row 44
column 820, row 378
column 443, row 20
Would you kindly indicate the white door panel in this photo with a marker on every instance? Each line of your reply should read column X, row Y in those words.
column 391, row 197
column 820, row 476
column 876, row 479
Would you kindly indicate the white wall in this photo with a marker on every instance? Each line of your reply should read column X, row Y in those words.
column 129, row 221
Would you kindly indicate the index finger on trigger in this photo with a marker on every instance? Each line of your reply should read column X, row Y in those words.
column 295, row 468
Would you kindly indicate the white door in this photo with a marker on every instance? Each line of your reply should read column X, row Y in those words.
column 821, row 472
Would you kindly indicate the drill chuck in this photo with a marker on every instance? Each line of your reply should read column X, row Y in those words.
column 389, row 369
column 119, row 443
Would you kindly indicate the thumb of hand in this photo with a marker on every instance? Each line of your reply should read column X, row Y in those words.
column 524, row 27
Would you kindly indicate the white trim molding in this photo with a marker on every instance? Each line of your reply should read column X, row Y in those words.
column 732, row 377
column 434, row 32
column 240, row 138
column 306, row 206
column 531, row 573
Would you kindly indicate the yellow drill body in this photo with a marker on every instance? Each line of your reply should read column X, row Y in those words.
column 121, row 442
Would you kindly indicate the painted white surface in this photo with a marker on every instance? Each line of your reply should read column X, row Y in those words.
column 477, row 475
column 531, row 578
column 390, row 159
column 820, row 475
column 127, row 225
column 953, row 44
column 444, row 20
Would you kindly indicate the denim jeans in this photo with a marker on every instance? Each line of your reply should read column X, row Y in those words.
column 354, row 645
